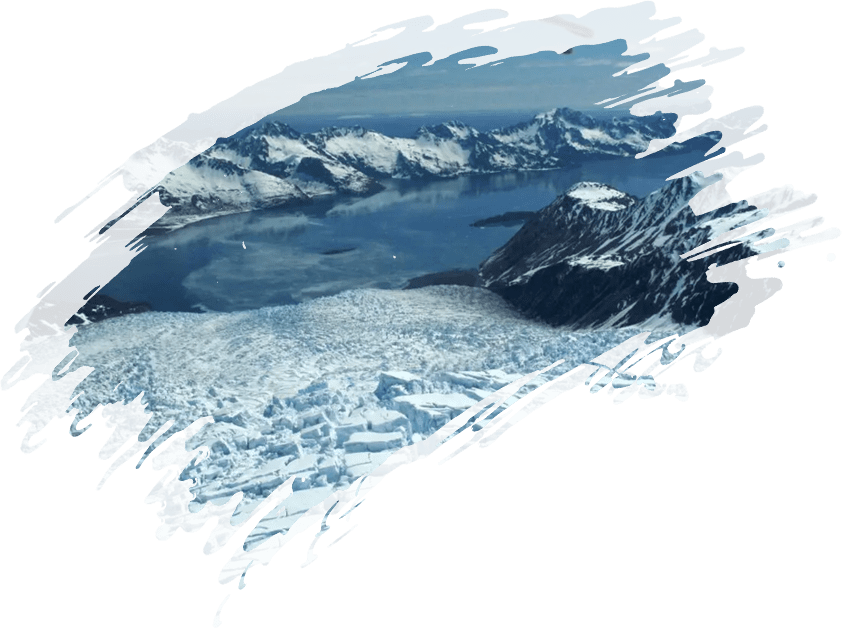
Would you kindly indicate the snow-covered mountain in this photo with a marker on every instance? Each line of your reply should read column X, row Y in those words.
column 598, row 256
column 272, row 165
column 209, row 186
column 149, row 165
column 553, row 139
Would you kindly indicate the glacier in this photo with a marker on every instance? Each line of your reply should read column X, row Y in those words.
column 320, row 393
column 323, row 391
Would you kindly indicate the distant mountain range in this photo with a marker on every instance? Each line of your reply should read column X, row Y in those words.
column 270, row 165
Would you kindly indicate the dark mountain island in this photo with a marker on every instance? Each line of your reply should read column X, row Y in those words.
column 597, row 256
column 338, row 251
column 508, row 219
column 456, row 277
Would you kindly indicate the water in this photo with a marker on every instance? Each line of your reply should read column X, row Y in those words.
column 279, row 257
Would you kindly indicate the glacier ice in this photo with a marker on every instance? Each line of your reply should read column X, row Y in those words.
column 320, row 392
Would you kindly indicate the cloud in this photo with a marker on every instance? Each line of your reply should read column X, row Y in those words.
column 579, row 62
column 424, row 72
column 590, row 62
column 449, row 86
column 543, row 64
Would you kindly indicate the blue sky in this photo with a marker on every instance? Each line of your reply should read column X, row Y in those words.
column 510, row 68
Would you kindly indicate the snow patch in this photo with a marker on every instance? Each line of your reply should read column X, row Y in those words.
column 597, row 196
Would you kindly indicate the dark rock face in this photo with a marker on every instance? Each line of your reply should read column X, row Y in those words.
column 598, row 256
column 509, row 219
column 457, row 277
column 573, row 296
column 339, row 251
column 406, row 168
column 50, row 318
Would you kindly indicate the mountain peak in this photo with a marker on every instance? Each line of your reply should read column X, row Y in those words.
column 343, row 131
column 276, row 129
column 576, row 266
column 565, row 115
column 447, row 130
column 551, row 115
column 599, row 196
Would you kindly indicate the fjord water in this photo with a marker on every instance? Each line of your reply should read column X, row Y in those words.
column 278, row 257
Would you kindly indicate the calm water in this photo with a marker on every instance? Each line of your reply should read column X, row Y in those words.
column 277, row 257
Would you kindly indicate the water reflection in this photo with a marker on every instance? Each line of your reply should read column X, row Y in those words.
column 411, row 228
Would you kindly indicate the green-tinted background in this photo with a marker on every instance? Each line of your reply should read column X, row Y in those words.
column 723, row 511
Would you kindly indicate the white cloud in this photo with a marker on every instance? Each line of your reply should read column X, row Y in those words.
column 424, row 72
column 542, row 64
column 590, row 62
column 579, row 62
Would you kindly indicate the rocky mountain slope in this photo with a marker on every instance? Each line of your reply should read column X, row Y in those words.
column 597, row 256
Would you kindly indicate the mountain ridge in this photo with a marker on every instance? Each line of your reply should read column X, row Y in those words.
column 271, row 165
column 598, row 256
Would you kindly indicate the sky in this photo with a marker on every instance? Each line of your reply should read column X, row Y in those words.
column 510, row 68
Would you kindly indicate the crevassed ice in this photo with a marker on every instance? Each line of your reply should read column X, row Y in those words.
column 322, row 391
